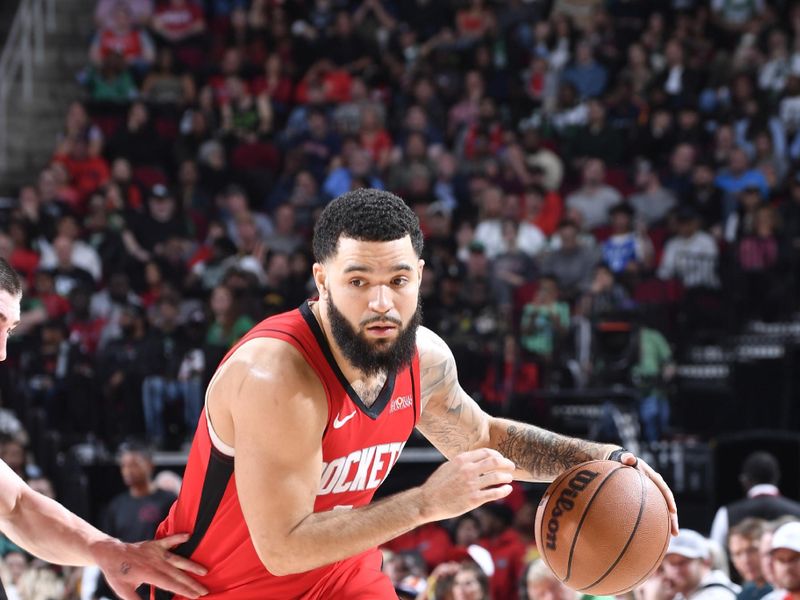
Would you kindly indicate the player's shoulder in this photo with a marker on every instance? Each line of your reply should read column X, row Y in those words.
column 431, row 347
column 268, row 358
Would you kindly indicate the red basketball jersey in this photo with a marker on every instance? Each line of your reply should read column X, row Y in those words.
column 360, row 445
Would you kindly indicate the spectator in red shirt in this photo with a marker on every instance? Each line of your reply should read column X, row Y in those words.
column 375, row 139
column 179, row 22
column 123, row 37
column 506, row 547
column 431, row 541
column 86, row 173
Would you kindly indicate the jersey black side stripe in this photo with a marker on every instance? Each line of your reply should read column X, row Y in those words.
column 218, row 474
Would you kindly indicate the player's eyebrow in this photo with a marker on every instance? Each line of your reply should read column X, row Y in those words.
column 4, row 319
column 365, row 269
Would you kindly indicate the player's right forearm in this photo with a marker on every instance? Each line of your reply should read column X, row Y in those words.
column 326, row 537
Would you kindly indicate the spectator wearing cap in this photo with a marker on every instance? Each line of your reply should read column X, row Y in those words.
column 785, row 552
column 652, row 201
column 688, row 569
column 759, row 477
column 162, row 219
column 594, row 198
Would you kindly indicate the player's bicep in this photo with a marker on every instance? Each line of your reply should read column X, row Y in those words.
column 11, row 489
column 278, row 429
column 451, row 420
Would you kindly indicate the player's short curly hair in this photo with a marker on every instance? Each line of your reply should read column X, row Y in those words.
column 365, row 214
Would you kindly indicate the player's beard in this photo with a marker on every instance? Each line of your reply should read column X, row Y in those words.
column 372, row 358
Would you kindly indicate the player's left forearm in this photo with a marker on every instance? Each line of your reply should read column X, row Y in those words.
column 541, row 455
column 49, row 531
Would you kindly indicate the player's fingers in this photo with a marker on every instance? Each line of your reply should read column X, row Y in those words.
column 173, row 540
column 472, row 456
column 185, row 564
column 178, row 582
column 494, row 478
column 495, row 493
column 495, row 462
column 629, row 458
column 662, row 485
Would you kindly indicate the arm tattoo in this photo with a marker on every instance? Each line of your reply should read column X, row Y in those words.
column 542, row 453
column 124, row 568
column 449, row 419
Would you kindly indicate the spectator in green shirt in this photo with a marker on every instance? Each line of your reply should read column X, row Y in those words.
column 229, row 323
column 544, row 323
column 650, row 375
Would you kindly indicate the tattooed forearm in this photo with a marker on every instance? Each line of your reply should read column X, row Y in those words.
column 543, row 454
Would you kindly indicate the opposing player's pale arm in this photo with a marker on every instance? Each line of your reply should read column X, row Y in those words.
column 46, row 529
column 279, row 413
column 453, row 422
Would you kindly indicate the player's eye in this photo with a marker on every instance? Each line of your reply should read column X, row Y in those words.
column 400, row 281
column 356, row 282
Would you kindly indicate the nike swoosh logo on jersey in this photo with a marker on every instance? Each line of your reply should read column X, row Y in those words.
column 337, row 423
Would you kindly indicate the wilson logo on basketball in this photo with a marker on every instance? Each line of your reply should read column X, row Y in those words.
column 566, row 502
column 400, row 403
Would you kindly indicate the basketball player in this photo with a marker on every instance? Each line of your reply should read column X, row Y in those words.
column 46, row 529
column 307, row 414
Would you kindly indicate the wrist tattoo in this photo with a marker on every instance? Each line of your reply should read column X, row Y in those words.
column 542, row 453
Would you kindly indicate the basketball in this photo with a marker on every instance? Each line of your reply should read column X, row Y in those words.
column 602, row 527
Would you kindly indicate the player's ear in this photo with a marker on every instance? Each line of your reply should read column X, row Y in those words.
column 420, row 267
column 320, row 280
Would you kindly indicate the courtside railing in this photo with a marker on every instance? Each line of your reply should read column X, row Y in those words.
column 24, row 47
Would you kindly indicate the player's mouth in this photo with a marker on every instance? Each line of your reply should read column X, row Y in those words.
column 382, row 329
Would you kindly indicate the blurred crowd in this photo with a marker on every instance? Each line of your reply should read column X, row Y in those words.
column 600, row 183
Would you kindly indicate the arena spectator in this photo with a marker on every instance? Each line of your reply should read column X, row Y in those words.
column 759, row 477
column 134, row 514
column 594, row 198
column 744, row 539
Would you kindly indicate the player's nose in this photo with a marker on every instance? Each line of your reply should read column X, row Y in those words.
column 381, row 300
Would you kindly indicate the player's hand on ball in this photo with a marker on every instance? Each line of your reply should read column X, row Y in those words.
column 127, row 566
column 628, row 458
column 467, row 481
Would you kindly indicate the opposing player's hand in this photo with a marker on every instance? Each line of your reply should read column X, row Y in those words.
column 628, row 458
column 467, row 481
column 127, row 566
